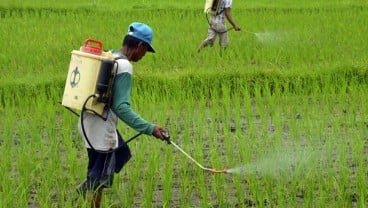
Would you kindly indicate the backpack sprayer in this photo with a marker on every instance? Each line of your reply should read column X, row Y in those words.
column 89, row 78
column 212, row 7
column 88, row 86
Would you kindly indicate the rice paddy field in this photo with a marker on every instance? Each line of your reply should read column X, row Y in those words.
column 283, row 108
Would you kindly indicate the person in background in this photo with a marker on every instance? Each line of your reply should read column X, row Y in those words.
column 217, row 26
column 107, row 151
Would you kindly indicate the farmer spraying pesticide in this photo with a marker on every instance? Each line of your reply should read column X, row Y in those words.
column 107, row 151
column 99, row 85
column 219, row 9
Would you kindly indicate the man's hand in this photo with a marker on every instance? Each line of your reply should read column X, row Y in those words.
column 236, row 28
column 160, row 133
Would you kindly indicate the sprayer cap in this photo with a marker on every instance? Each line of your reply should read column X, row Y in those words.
column 143, row 32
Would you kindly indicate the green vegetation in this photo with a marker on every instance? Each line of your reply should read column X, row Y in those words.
column 284, row 107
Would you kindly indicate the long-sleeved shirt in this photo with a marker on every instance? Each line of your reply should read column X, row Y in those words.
column 102, row 134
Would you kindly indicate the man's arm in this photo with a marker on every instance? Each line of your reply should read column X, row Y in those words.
column 230, row 19
column 121, row 105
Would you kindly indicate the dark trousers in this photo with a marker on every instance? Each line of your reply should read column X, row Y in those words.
column 103, row 165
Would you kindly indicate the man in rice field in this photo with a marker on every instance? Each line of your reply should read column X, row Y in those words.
column 109, row 153
column 217, row 26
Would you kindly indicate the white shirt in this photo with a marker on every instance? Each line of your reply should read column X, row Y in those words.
column 100, row 133
column 221, row 10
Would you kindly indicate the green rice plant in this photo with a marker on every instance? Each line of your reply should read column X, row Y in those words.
column 305, row 46
column 261, row 186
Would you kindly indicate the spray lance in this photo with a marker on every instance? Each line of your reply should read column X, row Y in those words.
column 212, row 170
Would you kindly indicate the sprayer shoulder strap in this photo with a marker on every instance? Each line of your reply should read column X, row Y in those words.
column 118, row 54
column 120, row 57
column 116, row 61
column 218, row 13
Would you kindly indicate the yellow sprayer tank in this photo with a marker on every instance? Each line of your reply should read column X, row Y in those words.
column 211, row 6
column 82, row 78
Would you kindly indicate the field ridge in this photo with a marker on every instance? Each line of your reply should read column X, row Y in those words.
column 199, row 84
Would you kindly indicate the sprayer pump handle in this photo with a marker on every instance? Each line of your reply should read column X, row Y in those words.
column 166, row 136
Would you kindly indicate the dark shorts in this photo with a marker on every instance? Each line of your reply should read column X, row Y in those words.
column 102, row 166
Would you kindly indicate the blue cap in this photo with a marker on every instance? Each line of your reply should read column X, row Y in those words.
column 143, row 32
